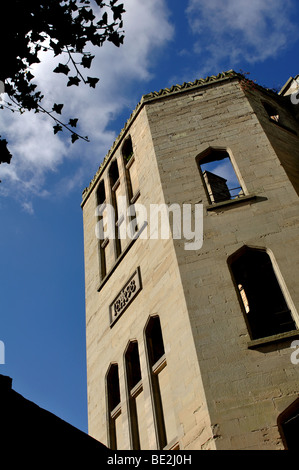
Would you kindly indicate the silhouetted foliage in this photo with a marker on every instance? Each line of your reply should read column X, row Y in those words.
column 60, row 26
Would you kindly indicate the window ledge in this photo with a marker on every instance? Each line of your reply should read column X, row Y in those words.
column 272, row 339
column 231, row 202
column 136, row 389
column 116, row 411
column 159, row 365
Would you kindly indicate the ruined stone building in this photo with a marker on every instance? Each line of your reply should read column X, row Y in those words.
column 193, row 345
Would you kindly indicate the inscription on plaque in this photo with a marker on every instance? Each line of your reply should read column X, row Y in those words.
column 125, row 296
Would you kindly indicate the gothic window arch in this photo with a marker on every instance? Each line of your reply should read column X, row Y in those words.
column 113, row 405
column 218, row 175
column 115, row 189
column 263, row 302
column 101, row 201
column 156, row 363
column 134, row 389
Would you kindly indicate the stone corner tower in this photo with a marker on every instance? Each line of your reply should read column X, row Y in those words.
column 190, row 345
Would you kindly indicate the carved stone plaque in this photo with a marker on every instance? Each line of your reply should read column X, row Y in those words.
column 125, row 296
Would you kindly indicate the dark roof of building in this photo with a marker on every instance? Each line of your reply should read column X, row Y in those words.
column 30, row 434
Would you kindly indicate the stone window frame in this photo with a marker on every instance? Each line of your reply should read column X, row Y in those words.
column 156, row 361
column 128, row 157
column 113, row 401
column 134, row 387
column 253, row 343
column 100, row 202
column 114, row 183
column 245, row 197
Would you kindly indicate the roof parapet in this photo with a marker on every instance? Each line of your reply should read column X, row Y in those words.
column 153, row 96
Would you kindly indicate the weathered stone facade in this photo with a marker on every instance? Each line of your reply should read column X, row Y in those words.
column 218, row 387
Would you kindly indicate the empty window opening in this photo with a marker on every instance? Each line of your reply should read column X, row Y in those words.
column 271, row 111
column 114, row 407
column 101, row 200
column 155, row 341
column 266, row 310
column 113, row 173
column 219, row 177
column 288, row 424
column 134, row 384
column 132, row 183
column 157, row 362
column 127, row 150
column 115, row 191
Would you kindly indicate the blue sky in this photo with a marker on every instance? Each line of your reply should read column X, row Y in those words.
column 42, row 305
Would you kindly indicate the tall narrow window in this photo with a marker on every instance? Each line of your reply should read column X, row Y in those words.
column 160, row 383
column 131, row 173
column 265, row 308
column 132, row 182
column 113, row 408
column 135, row 397
column 101, row 201
column 115, row 189
column 288, row 424
column 218, row 175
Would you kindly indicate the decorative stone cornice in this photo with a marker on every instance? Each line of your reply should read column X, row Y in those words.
column 153, row 96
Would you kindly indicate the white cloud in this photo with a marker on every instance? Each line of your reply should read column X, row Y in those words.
column 228, row 31
column 37, row 152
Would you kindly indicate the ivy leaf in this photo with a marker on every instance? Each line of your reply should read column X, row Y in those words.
column 62, row 69
column 57, row 108
column 29, row 76
column 56, row 47
column 92, row 81
column 5, row 155
column 57, row 128
column 105, row 18
column 116, row 39
column 73, row 122
column 117, row 11
column 74, row 138
column 73, row 81
column 86, row 61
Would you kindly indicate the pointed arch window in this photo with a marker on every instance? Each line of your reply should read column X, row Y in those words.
column 157, row 362
column 135, row 388
column 115, row 190
column 101, row 202
column 130, row 170
column 265, row 307
column 113, row 407
column 218, row 175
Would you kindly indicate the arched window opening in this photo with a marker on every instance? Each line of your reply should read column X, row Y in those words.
column 157, row 362
column 218, row 175
column 127, row 150
column 135, row 389
column 101, row 201
column 114, row 406
column 115, row 193
column 265, row 307
column 132, row 182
